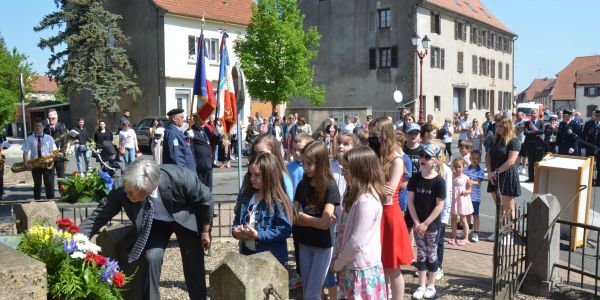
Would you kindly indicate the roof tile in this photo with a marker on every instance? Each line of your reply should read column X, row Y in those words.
column 45, row 84
column 564, row 89
column 473, row 9
column 232, row 11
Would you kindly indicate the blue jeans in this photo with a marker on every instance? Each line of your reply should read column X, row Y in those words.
column 78, row 155
column 129, row 156
column 314, row 264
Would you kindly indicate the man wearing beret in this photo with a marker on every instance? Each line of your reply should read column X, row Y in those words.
column 591, row 134
column 566, row 138
column 176, row 149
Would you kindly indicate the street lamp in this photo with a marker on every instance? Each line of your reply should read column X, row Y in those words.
column 421, row 53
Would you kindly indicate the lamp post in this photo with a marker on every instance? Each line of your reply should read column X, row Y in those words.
column 421, row 54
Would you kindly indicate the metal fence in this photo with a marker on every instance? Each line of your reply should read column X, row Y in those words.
column 584, row 279
column 223, row 214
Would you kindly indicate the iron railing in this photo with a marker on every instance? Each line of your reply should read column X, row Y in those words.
column 593, row 257
column 223, row 214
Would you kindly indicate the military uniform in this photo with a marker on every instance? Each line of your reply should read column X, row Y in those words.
column 176, row 149
column 591, row 134
column 203, row 154
column 534, row 145
column 567, row 142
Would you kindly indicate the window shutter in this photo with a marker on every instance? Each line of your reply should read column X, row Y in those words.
column 394, row 57
column 456, row 33
column 586, row 91
column 438, row 24
column 372, row 58
column 459, row 67
column 474, row 68
column 432, row 22
column 493, row 69
column 442, row 55
column 432, row 59
column 464, row 32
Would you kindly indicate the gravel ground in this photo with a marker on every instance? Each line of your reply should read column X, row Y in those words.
column 173, row 284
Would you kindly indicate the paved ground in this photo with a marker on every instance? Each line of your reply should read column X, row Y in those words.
column 472, row 263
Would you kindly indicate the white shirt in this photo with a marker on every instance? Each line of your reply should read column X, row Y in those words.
column 251, row 244
column 464, row 125
column 340, row 181
column 128, row 138
column 160, row 211
column 348, row 128
column 31, row 143
column 445, row 214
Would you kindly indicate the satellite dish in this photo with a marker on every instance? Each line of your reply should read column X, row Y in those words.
column 398, row 96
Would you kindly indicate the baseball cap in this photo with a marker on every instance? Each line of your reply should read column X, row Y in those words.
column 432, row 150
column 413, row 127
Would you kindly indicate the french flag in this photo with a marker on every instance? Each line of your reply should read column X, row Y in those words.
column 203, row 88
column 226, row 106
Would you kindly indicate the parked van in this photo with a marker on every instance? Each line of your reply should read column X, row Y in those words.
column 527, row 109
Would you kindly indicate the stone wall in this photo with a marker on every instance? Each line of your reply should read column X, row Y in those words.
column 22, row 277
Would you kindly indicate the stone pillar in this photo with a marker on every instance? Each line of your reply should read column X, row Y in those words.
column 116, row 241
column 249, row 277
column 542, row 251
column 22, row 277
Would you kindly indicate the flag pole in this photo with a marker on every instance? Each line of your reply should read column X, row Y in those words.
column 22, row 85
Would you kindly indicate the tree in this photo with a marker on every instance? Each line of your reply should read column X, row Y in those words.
column 94, row 61
column 12, row 63
column 276, row 54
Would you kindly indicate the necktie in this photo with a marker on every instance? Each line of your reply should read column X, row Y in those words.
column 39, row 146
column 140, row 243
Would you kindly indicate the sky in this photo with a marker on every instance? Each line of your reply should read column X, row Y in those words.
column 551, row 32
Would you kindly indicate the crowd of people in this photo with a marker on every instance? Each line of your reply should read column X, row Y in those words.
column 353, row 196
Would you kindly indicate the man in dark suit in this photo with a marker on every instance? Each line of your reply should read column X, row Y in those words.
column 56, row 129
column 201, row 144
column 176, row 149
column 161, row 201
column 534, row 142
column 591, row 134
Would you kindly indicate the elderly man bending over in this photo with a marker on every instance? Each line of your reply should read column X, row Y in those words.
column 161, row 201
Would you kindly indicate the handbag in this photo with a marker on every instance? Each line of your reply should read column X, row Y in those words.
column 122, row 150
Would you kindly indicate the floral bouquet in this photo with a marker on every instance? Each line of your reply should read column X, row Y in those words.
column 75, row 269
column 85, row 187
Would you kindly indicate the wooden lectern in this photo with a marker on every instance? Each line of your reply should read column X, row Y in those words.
column 562, row 176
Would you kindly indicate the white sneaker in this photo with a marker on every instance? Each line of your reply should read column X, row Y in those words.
column 429, row 293
column 419, row 293
column 491, row 237
column 474, row 237
column 439, row 274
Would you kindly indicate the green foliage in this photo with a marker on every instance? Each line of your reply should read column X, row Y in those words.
column 12, row 63
column 94, row 60
column 85, row 188
column 276, row 54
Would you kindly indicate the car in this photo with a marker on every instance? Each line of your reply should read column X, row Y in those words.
column 548, row 114
column 142, row 131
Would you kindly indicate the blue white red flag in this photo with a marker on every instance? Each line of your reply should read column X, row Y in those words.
column 226, row 106
column 203, row 88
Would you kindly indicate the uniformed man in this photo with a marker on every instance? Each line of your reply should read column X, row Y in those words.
column 55, row 129
column 568, row 131
column 176, row 150
column 591, row 134
column 201, row 143
column 534, row 142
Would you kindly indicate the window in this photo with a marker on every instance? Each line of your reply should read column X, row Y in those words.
column 473, row 98
column 493, row 68
column 508, row 42
column 182, row 97
column 591, row 91
column 479, row 37
column 385, row 57
column 507, row 101
column 437, row 57
column 491, row 100
column 474, row 64
column 437, row 103
column 500, row 46
column 500, row 100
column 212, row 49
column 499, row 71
column 470, row 6
column 485, row 12
column 484, row 38
column 191, row 47
column 480, row 99
column 459, row 60
column 474, row 32
column 507, row 72
column 384, row 18
column 483, row 66
column 491, row 38
column 436, row 23
column 460, row 31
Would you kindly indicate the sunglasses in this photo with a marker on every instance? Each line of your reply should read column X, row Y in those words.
column 425, row 156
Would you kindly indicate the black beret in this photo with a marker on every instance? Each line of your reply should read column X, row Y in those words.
column 174, row 111
column 567, row 112
column 597, row 111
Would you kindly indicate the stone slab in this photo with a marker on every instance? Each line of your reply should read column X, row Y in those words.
column 22, row 277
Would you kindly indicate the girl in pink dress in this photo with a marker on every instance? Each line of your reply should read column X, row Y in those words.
column 461, row 201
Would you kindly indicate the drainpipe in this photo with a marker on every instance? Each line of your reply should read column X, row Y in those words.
column 513, row 72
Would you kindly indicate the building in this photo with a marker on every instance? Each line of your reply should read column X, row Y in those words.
column 587, row 90
column 539, row 91
column 563, row 95
column 162, row 49
column 366, row 54
column 43, row 89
